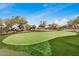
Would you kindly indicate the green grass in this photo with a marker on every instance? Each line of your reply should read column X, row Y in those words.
column 34, row 37
column 66, row 45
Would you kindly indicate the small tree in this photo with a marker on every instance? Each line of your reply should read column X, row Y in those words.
column 1, row 30
column 33, row 27
column 52, row 26
column 1, row 22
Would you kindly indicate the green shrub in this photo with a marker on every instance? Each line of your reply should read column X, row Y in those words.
column 1, row 31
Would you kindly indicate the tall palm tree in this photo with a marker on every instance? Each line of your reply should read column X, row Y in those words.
column 42, row 24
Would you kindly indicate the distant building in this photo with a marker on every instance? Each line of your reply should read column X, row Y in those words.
column 77, row 26
column 3, row 25
column 16, row 26
column 46, row 26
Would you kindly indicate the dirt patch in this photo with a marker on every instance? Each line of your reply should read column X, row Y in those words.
column 7, row 52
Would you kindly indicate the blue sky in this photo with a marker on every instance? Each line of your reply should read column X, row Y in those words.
column 35, row 12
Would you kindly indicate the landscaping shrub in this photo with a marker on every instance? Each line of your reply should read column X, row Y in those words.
column 1, row 31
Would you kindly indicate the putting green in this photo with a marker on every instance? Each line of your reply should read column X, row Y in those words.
column 34, row 37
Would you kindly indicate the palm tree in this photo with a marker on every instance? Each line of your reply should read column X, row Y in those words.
column 42, row 24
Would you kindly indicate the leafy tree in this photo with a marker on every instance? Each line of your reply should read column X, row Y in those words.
column 33, row 27
column 52, row 26
column 19, row 20
column 73, row 23
column 15, row 20
column 1, row 22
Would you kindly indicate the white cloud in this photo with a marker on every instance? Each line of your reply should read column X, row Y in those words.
column 43, row 14
column 56, row 21
column 63, row 21
column 60, row 22
column 5, row 5
column 47, row 11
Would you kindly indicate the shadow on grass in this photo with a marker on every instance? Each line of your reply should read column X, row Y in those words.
column 65, row 45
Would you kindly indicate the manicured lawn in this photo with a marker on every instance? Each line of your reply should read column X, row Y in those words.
column 34, row 37
column 61, row 45
column 66, row 46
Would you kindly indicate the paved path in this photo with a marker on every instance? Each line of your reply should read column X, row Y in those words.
column 6, row 52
